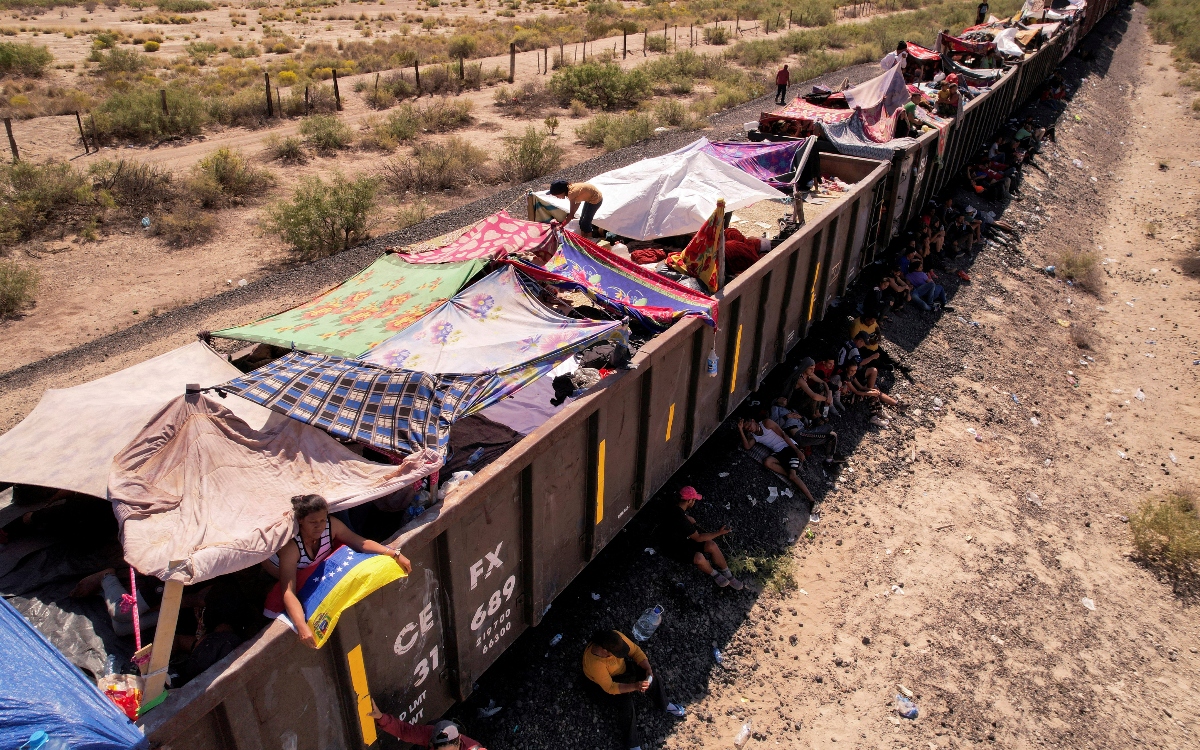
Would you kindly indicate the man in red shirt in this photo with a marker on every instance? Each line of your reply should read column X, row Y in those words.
column 443, row 735
column 781, row 83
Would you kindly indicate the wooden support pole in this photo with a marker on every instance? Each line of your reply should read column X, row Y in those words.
column 12, row 142
column 546, row 62
column 376, row 95
column 645, row 38
column 585, row 48
column 164, row 637
column 562, row 57
column 737, row 23
column 789, row 19
column 270, row 104
column 462, row 69
column 337, row 95
column 162, row 95
column 691, row 35
column 278, row 102
column 417, row 76
column 82, row 137
column 530, row 204
column 624, row 44
column 512, row 62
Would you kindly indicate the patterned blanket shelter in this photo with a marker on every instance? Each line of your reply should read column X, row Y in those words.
column 495, row 237
column 494, row 326
column 372, row 306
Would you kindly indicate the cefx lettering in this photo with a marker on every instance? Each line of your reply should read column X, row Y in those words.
column 409, row 633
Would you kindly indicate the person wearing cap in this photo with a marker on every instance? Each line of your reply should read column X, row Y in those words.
column 619, row 669
column 579, row 194
column 683, row 542
column 444, row 735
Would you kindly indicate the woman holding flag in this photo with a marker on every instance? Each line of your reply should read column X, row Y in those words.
column 320, row 535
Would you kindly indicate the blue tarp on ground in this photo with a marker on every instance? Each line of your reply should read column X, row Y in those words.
column 42, row 690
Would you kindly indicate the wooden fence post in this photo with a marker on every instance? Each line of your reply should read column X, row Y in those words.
column 691, row 36
column 417, row 75
column 95, row 133
column 12, row 142
column 665, row 26
column 278, row 102
column 337, row 95
column 512, row 62
column 546, row 61
column 270, row 106
column 624, row 44
column 306, row 101
column 789, row 19
column 737, row 23
column 82, row 137
column 585, row 47
column 562, row 57
column 162, row 94
column 645, row 38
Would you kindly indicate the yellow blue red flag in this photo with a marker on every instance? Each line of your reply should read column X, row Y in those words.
column 340, row 581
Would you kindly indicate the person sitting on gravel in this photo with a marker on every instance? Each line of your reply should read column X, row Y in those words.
column 808, row 394
column 443, row 735
column 855, row 387
column 799, row 430
column 851, row 353
column 619, row 669
column 774, row 448
column 683, row 542
column 927, row 294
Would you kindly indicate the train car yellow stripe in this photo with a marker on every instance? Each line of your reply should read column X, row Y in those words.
column 737, row 354
column 362, row 695
column 670, row 421
column 600, row 484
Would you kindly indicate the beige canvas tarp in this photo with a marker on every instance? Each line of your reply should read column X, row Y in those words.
column 200, row 485
column 68, row 441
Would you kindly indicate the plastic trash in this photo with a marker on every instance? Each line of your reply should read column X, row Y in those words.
column 905, row 691
column 717, row 656
column 723, row 474
column 145, row 222
column 491, row 709
column 1050, row 270
column 110, row 665
column 557, row 639
column 937, row 402
column 595, row 597
column 1139, row 395
column 242, row 282
column 651, row 551
column 648, row 623
column 475, row 456
column 1033, row 498
column 743, row 736
column 1016, row 400
column 710, row 365
column 1091, row 605
column 39, row 740
column 906, row 708
column 772, row 494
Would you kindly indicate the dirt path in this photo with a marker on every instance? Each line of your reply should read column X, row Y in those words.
column 978, row 552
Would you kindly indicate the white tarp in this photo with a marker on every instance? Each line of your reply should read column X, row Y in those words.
column 1006, row 43
column 888, row 88
column 69, row 439
column 673, row 194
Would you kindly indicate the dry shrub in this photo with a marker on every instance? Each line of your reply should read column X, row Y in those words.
column 437, row 166
column 776, row 572
column 411, row 214
column 616, row 131
column 226, row 176
column 1084, row 337
column 1080, row 267
column 18, row 286
column 185, row 226
column 326, row 133
column 323, row 218
column 1190, row 263
column 530, row 156
column 132, row 184
column 289, row 150
column 1166, row 535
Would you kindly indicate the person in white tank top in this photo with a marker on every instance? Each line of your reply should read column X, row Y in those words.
column 784, row 455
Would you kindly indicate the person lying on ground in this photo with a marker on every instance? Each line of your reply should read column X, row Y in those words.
column 444, row 735
column 318, row 536
column 927, row 294
column 683, row 542
column 774, row 448
column 579, row 194
column 801, row 432
column 119, row 602
column 619, row 669
column 809, row 394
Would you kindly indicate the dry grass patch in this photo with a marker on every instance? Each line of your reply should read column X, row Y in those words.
column 1080, row 267
column 18, row 285
column 1166, row 535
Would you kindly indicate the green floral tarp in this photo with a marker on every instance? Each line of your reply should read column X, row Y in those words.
column 368, row 309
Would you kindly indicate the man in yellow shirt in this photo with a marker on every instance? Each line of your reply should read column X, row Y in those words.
column 580, row 194
column 872, row 354
column 620, row 669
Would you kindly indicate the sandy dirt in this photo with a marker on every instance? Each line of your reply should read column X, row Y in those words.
column 990, row 576
column 90, row 289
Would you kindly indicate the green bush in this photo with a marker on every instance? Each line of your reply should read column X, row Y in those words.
column 289, row 150
column 18, row 285
column 151, row 46
column 323, row 218
column 756, row 53
column 120, row 61
column 716, row 35
column 530, row 156
column 136, row 114
column 656, row 43
column 446, row 114
column 1166, row 531
column 23, row 59
column 34, row 195
column 326, row 133
column 616, row 131
column 132, row 184
column 1177, row 22
column 602, row 86
column 225, row 175
column 436, row 166
column 183, row 6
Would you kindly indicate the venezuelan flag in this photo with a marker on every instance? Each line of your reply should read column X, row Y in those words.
column 339, row 582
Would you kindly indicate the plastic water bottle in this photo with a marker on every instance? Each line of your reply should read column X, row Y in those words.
column 742, row 737
column 39, row 740
column 906, row 708
column 474, row 457
column 110, row 665
column 710, row 365
column 648, row 623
